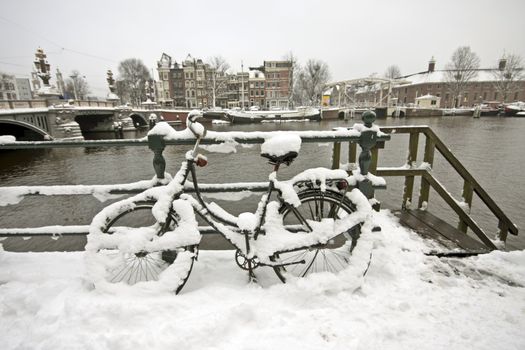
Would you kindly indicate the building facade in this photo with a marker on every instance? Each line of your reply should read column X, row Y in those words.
column 256, row 89
column 8, row 87
column 164, row 92
column 278, row 83
column 407, row 90
column 23, row 88
column 194, row 84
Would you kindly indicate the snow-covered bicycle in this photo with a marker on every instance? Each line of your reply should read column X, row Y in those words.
column 304, row 225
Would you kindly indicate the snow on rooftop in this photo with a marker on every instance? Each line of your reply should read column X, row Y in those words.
column 256, row 74
column 406, row 300
column 438, row 76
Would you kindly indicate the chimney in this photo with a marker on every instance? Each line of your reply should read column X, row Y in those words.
column 502, row 63
column 431, row 65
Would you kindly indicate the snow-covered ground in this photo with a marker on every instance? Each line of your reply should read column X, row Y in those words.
column 406, row 300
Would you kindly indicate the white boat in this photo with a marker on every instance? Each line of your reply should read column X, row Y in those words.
column 255, row 116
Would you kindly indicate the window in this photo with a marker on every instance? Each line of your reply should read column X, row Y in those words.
column 495, row 95
column 485, row 96
column 446, row 97
column 516, row 96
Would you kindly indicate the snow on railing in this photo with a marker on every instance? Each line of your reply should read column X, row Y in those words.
column 225, row 140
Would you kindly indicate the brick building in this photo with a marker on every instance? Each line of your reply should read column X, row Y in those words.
column 406, row 90
column 256, row 88
column 194, row 84
column 278, row 83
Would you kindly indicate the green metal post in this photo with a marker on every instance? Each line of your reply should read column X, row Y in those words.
column 367, row 141
column 157, row 144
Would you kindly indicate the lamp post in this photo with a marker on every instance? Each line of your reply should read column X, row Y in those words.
column 74, row 80
column 242, row 86
column 42, row 66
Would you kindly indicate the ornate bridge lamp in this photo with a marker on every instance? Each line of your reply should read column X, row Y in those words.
column 112, row 96
column 43, row 71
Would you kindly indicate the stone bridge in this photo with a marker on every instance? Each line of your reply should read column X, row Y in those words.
column 35, row 120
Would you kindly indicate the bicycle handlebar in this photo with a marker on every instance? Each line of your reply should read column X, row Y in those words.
column 195, row 127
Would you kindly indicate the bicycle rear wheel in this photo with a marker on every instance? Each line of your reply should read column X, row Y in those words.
column 330, row 257
column 131, row 267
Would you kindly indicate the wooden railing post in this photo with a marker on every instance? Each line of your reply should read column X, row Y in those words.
column 409, row 180
column 428, row 157
column 467, row 199
column 157, row 144
column 352, row 152
column 336, row 155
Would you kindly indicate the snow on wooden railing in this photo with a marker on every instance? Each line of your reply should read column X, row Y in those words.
column 471, row 185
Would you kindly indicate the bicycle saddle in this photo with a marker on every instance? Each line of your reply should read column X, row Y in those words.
column 281, row 149
column 286, row 158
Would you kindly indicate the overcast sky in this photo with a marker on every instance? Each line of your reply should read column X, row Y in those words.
column 355, row 38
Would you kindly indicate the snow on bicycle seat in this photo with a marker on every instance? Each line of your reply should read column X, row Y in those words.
column 281, row 148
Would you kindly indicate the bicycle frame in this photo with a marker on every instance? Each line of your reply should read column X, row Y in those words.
column 212, row 218
column 220, row 223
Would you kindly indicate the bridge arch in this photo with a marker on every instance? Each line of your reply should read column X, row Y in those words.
column 138, row 119
column 23, row 131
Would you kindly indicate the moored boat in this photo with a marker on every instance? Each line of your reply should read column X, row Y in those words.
column 514, row 108
column 254, row 116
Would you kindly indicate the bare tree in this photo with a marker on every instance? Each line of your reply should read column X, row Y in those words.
column 462, row 69
column 77, row 86
column 507, row 77
column 312, row 80
column 392, row 72
column 133, row 74
column 218, row 80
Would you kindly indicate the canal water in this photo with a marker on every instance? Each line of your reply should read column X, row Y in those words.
column 491, row 148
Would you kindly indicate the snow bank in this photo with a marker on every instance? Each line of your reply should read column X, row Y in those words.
column 406, row 300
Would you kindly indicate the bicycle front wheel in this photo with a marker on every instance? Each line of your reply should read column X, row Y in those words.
column 333, row 256
column 116, row 265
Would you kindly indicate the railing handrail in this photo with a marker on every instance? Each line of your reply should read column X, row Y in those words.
column 459, row 168
column 157, row 144
column 255, row 137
